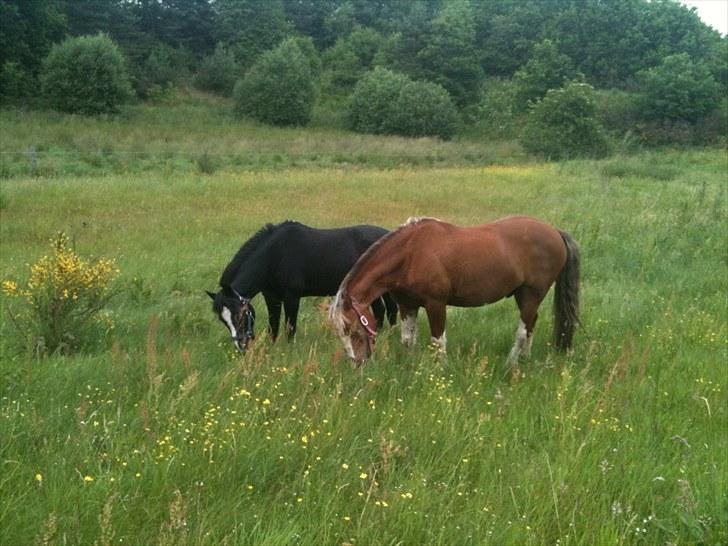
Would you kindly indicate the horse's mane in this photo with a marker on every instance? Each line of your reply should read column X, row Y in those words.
column 246, row 250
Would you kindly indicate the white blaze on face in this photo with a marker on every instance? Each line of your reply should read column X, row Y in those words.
column 227, row 318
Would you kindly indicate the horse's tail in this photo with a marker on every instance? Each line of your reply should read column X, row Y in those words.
column 566, row 295
column 391, row 306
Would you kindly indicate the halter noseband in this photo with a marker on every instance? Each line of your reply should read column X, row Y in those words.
column 371, row 334
column 249, row 319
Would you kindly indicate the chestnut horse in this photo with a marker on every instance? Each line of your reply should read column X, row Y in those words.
column 429, row 263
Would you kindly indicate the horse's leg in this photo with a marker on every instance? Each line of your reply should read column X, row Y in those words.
column 378, row 310
column 274, row 314
column 409, row 325
column 391, row 306
column 290, row 306
column 436, row 313
column 528, row 300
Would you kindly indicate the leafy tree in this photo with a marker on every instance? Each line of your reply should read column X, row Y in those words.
column 547, row 69
column 507, row 31
column 279, row 88
column 28, row 29
column 85, row 75
column 386, row 102
column 399, row 51
column 449, row 57
column 250, row 27
column 308, row 18
column 351, row 57
column 564, row 124
column 218, row 72
column 163, row 67
column 679, row 89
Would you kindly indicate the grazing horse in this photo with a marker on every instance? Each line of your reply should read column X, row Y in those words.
column 286, row 262
column 429, row 263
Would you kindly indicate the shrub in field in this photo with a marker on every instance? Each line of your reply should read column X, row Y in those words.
column 679, row 89
column 85, row 75
column 15, row 82
column 349, row 58
column 161, row 70
column 564, row 124
column 424, row 109
column 386, row 102
column 62, row 297
column 547, row 69
column 218, row 72
column 495, row 116
column 279, row 88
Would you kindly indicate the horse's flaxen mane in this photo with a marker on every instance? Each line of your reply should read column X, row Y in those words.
column 246, row 250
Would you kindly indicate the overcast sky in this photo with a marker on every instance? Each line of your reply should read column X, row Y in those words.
column 712, row 12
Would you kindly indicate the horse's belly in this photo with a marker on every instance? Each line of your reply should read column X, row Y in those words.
column 476, row 298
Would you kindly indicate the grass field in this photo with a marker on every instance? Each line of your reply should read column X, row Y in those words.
column 159, row 433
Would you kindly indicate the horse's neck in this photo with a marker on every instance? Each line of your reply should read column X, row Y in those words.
column 251, row 276
column 377, row 279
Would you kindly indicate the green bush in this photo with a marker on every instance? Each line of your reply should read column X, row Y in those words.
column 85, row 75
column 218, row 72
column 424, row 109
column 279, row 88
column 679, row 89
column 15, row 82
column 495, row 116
column 617, row 111
column 547, row 69
column 350, row 58
column 386, row 102
column 564, row 124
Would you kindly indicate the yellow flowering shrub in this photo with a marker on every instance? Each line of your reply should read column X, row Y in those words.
column 61, row 298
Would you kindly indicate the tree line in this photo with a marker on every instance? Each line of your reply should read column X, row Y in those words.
column 494, row 58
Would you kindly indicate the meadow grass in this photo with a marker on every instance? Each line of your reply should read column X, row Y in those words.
column 160, row 433
column 196, row 133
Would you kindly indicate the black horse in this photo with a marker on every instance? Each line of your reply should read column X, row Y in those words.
column 286, row 262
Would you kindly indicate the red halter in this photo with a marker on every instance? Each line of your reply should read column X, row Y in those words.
column 371, row 334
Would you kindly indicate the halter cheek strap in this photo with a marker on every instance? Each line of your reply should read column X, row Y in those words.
column 371, row 334
column 249, row 318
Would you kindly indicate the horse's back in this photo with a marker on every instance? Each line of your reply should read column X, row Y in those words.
column 482, row 264
column 313, row 262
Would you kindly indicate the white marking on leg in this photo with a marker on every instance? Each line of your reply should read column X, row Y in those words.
column 529, row 342
column 440, row 343
column 521, row 336
column 409, row 330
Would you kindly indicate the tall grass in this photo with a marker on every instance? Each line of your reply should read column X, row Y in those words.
column 193, row 133
column 168, row 436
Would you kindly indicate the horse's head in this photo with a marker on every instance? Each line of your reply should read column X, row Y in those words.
column 236, row 313
column 355, row 327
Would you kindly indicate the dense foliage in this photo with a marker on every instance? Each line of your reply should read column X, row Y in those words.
column 85, row 75
column 279, row 87
column 461, row 45
column 386, row 102
column 218, row 72
column 678, row 89
column 564, row 124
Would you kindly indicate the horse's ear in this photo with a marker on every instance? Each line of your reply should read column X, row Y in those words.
column 211, row 294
